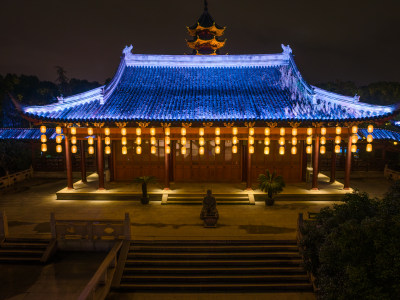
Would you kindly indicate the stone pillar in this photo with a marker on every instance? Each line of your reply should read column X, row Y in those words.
column 333, row 164
column 348, row 164
column 100, row 161
column 83, row 161
column 315, row 162
column 68, row 161
column 166, row 167
column 248, row 166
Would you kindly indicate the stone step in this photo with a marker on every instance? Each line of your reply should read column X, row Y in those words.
column 213, row 255
column 214, row 270
column 234, row 287
column 194, row 202
column 26, row 240
column 13, row 259
column 186, row 243
column 216, row 248
column 20, row 252
column 214, row 263
column 24, row 245
column 193, row 278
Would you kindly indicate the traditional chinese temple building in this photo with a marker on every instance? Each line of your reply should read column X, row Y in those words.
column 207, row 117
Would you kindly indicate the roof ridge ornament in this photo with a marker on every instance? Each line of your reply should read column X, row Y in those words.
column 286, row 49
column 127, row 50
column 60, row 99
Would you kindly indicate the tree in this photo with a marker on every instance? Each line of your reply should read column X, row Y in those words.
column 62, row 81
column 271, row 184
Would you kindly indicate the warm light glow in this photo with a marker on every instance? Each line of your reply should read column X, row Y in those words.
column 107, row 131
column 73, row 130
column 309, row 149
column 123, row 131
column 395, row 143
column 234, row 130
column 153, row 150
column 138, row 150
column 183, row 141
column 58, row 148
column 90, row 140
column 309, row 140
column 294, row 141
column 168, row 149
column 251, row 149
column 91, row 150
column 354, row 138
column 322, row 150
column 138, row 140
column 217, row 149
column 281, row 150
column 167, row 140
column 217, row 140
column 201, row 141
column 294, row 150
column 107, row 140
column 294, row 131
column 234, row 140
column 183, row 131
column 183, row 150
column 353, row 148
column 201, row 131
column 139, row 132
column 107, row 149
column 323, row 140
column 282, row 131
column 369, row 147
column 124, row 150
column 74, row 149
column 338, row 130
column 354, row 129
column 153, row 140
column 309, row 131
column 217, row 131
column 267, row 141
column 251, row 131
column 370, row 130
column 267, row 131
column 338, row 139
column 152, row 131
column 167, row 131
column 369, row 138
column 73, row 140
column 201, row 150
column 58, row 139
column 58, row 130
column 43, row 138
column 266, row 150
column 337, row 149
column 323, row 130
column 124, row 140
column 44, row 147
column 90, row 131
column 43, row 129
column 281, row 141
column 251, row 140
column 234, row 149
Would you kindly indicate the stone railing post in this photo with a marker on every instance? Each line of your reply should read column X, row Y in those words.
column 3, row 225
column 127, row 227
column 300, row 222
column 53, row 225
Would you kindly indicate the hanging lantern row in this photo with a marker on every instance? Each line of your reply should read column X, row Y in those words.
column 234, row 139
column 43, row 138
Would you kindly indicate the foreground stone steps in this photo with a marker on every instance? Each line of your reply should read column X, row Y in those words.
column 195, row 265
column 22, row 250
column 198, row 199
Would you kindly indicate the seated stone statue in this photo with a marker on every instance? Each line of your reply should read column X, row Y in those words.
column 209, row 206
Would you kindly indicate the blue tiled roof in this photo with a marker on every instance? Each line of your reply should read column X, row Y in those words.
column 25, row 133
column 380, row 134
column 207, row 88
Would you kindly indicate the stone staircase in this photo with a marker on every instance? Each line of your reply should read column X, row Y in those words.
column 197, row 199
column 23, row 249
column 195, row 266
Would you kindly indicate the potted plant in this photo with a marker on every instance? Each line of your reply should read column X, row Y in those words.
column 144, row 180
column 271, row 184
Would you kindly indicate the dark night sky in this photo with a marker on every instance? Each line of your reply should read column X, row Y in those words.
column 344, row 39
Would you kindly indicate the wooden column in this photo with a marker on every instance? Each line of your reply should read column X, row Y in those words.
column 100, row 161
column 68, row 161
column 303, row 161
column 111, row 160
column 348, row 164
column 316, row 160
column 248, row 165
column 83, row 161
column 166, row 166
column 333, row 164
